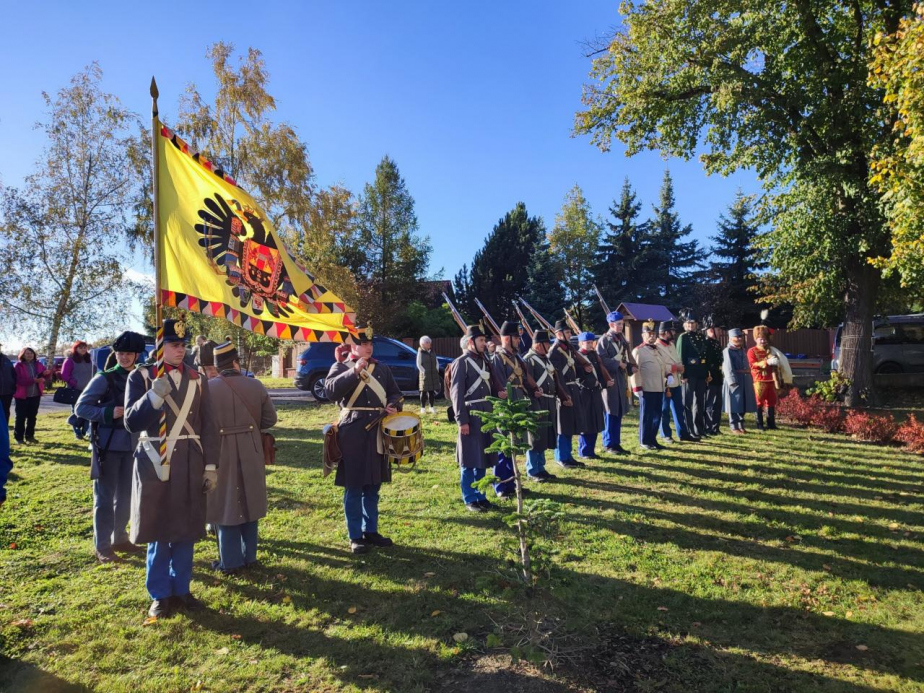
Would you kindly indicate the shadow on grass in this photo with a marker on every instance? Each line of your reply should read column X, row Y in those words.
column 18, row 676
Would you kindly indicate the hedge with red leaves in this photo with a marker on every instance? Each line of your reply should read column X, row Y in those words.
column 911, row 433
column 876, row 429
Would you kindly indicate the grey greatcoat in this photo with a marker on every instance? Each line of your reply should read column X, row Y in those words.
column 97, row 403
column 543, row 373
column 593, row 395
column 472, row 381
column 738, row 387
column 571, row 420
column 240, row 495
column 429, row 371
column 614, row 349
column 362, row 463
column 172, row 510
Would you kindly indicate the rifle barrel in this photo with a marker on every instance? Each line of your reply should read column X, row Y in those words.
column 457, row 316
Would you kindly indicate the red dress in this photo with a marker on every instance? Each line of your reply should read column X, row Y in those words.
column 764, row 387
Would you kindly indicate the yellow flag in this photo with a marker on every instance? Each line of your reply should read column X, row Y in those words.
column 221, row 256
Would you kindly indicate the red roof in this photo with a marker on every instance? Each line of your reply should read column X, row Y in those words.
column 645, row 311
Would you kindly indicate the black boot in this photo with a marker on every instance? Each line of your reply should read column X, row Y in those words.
column 771, row 418
column 760, row 418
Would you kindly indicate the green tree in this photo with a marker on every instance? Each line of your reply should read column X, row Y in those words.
column 572, row 247
column 61, row 235
column 543, row 289
column 499, row 270
column 675, row 263
column 731, row 290
column 462, row 293
column 898, row 164
column 390, row 257
column 780, row 88
column 623, row 251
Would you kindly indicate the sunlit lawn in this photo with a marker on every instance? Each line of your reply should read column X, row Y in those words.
column 789, row 561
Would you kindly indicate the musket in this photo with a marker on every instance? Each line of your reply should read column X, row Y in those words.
column 603, row 371
column 457, row 316
column 606, row 308
column 529, row 330
column 541, row 320
column 487, row 316
column 573, row 323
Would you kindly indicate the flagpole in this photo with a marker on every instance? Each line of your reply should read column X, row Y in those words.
column 158, row 299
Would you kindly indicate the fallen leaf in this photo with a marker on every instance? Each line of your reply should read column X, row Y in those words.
column 662, row 608
column 826, row 566
column 827, row 613
column 460, row 637
column 429, row 574
column 235, row 637
column 13, row 545
column 352, row 610
column 848, row 614
column 435, row 486
column 149, row 620
column 435, row 613
column 696, row 624
column 287, row 599
column 23, row 623
column 893, row 526
column 222, row 651
column 862, row 648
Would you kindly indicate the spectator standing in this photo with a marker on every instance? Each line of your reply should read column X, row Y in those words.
column 30, row 384
column 102, row 403
column 242, row 409
column 197, row 352
column 7, row 385
column 429, row 374
column 76, row 373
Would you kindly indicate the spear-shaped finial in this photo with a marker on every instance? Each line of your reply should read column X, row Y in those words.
column 154, row 95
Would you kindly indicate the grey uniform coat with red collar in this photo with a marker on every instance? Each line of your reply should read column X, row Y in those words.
column 172, row 510
column 362, row 463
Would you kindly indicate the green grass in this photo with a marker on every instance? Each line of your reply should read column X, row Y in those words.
column 755, row 563
column 272, row 383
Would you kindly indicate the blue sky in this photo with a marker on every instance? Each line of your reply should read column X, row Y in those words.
column 474, row 100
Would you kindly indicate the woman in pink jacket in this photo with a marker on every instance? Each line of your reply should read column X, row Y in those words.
column 30, row 384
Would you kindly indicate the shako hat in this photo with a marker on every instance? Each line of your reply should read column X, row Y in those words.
column 561, row 326
column 365, row 333
column 648, row 326
column 667, row 325
column 207, row 353
column 474, row 331
column 225, row 355
column 175, row 331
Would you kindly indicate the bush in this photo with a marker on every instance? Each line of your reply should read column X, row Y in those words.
column 796, row 408
column 876, row 429
column 911, row 433
column 827, row 417
column 832, row 390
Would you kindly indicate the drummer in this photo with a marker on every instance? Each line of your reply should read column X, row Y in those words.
column 366, row 390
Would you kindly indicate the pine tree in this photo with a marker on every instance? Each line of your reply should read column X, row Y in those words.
column 573, row 245
column 625, row 260
column 543, row 291
column 390, row 257
column 731, row 300
column 462, row 293
column 499, row 271
column 676, row 264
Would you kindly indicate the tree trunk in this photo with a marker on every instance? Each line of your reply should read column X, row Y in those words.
column 856, row 357
column 521, row 524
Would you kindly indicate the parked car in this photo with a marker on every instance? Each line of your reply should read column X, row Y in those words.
column 59, row 365
column 898, row 344
column 315, row 362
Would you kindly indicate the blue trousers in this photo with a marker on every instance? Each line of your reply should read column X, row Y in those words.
column 361, row 507
column 169, row 568
column 237, row 545
column 535, row 462
column 612, row 430
column 112, row 500
column 735, row 420
column 673, row 407
column 468, row 477
column 649, row 416
column 563, row 449
column 586, row 444
column 504, row 470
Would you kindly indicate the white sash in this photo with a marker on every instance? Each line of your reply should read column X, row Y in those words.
column 483, row 377
column 373, row 385
column 163, row 470
column 547, row 368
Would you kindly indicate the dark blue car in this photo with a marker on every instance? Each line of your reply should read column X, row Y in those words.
column 315, row 362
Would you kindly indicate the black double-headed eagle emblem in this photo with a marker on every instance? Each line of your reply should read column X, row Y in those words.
column 237, row 244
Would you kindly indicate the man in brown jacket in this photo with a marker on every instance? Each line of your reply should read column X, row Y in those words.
column 242, row 409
